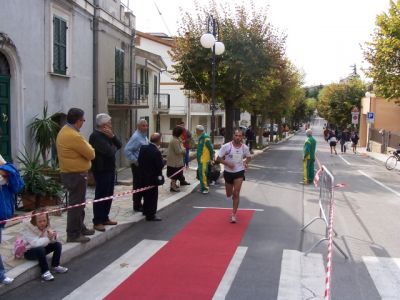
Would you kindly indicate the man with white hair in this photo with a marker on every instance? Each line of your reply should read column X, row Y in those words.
column 132, row 148
column 309, row 149
column 105, row 145
column 205, row 153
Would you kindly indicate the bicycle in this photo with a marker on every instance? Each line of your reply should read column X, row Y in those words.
column 392, row 160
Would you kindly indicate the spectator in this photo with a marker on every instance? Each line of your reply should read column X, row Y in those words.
column 332, row 140
column 205, row 153
column 105, row 144
column 41, row 240
column 10, row 184
column 309, row 149
column 175, row 162
column 186, row 137
column 250, row 138
column 150, row 173
column 75, row 155
column 354, row 141
column 132, row 148
column 344, row 138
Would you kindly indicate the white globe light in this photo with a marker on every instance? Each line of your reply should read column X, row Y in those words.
column 207, row 40
column 219, row 48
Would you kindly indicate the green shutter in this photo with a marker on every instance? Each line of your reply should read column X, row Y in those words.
column 59, row 46
column 119, row 76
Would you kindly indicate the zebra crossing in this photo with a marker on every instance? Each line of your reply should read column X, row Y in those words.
column 301, row 277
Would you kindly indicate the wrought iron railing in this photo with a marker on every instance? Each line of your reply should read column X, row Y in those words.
column 126, row 93
column 162, row 101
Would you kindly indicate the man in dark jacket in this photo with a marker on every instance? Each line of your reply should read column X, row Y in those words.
column 150, row 165
column 105, row 144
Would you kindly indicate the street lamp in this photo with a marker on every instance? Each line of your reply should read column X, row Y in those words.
column 369, row 96
column 210, row 40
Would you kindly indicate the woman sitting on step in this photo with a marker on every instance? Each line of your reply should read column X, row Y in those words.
column 41, row 240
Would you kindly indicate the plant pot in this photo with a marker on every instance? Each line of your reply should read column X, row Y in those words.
column 29, row 201
column 48, row 201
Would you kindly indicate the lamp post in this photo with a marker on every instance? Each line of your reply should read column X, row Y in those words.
column 210, row 40
column 369, row 96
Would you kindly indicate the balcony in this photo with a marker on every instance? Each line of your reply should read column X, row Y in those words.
column 122, row 95
column 162, row 103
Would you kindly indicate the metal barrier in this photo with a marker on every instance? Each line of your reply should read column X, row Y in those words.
column 326, row 203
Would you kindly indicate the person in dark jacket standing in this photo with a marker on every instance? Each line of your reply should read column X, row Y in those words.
column 105, row 144
column 150, row 165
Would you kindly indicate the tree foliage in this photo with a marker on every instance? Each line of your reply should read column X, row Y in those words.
column 337, row 99
column 383, row 53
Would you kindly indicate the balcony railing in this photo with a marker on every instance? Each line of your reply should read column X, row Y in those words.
column 125, row 94
column 162, row 102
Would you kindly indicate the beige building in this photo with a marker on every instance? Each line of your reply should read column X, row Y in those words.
column 384, row 132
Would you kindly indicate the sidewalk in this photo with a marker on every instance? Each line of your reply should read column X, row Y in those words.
column 380, row 157
column 121, row 210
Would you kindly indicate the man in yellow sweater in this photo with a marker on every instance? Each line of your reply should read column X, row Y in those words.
column 75, row 155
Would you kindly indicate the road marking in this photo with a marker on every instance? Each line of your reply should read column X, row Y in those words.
column 385, row 272
column 110, row 277
column 302, row 277
column 345, row 160
column 230, row 273
column 203, row 207
column 380, row 183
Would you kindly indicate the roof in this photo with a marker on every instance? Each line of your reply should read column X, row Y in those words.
column 156, row 39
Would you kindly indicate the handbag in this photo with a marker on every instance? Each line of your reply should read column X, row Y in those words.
column 160, row 180
column 19, row 248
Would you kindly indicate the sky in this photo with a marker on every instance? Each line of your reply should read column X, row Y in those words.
column 324, row 37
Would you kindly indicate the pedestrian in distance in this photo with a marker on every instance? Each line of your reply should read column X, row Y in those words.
column 250, row 138
column 332, row 140
column 75, row 155
column 151, row 164
column 11, row 183
column 132, row 148
column 105, row 144
column 175, row 159
column 344, row 138
column 40, row 239
column 354, row 141
column 235, row 157
column 310, row 146
column 186, row 138
column 205, row 153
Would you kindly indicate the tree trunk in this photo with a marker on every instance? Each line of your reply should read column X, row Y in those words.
column 229, row 119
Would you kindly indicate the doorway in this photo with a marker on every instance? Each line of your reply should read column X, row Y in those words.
column 5, row 141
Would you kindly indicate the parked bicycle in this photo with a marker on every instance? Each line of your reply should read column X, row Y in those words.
column 392, row 160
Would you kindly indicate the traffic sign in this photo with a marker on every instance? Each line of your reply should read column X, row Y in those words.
column 355, row 117
column 370, row 117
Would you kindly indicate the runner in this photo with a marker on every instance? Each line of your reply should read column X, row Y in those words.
column 231, row 155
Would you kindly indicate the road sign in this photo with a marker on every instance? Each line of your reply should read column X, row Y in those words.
column 370, row 117
column 355, row 117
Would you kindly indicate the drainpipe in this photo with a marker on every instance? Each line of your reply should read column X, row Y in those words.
column 132, row 74
column 95, row 59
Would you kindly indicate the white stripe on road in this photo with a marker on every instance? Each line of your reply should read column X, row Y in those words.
column 385, row 272
column 230, row 208
column 302, row 277
column 114, row 274
column 230, row 274
column 345, row 160
column 380, row 183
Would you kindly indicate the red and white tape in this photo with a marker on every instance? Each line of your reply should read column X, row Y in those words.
column 330, row 251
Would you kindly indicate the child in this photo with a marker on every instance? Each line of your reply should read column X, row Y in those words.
column 41, row 240
column 214, row 171
column 10, row 184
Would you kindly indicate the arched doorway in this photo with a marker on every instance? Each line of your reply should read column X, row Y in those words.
column 5, row 141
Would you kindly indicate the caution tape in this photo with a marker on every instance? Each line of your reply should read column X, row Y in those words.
column 330, row 253
column 90, row 201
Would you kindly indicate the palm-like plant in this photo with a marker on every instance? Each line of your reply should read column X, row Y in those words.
column 44, row 132
column 31, row 169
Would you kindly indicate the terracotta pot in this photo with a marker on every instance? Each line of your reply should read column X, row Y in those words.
column 29, row 201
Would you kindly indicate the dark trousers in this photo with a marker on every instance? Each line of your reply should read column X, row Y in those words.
column 39, row 253
column 343, row 147
column 104, row 188
column 249, row 143
column 187, row 158
column 136, row 197
column 76, row 184
column 150, row 202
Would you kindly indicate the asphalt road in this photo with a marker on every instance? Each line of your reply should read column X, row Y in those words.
column 366, row 220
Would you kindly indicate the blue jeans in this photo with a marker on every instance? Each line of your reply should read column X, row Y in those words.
column 2, row 270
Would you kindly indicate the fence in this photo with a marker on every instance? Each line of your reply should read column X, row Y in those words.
column 386, row 139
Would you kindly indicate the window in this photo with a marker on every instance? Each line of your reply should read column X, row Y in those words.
column 59, row 45
column 144, row 81
column 173, row 122
column 119, row 76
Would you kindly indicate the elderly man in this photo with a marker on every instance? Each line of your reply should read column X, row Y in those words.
column 309, row 149
column 105, row 144
column 75, row 155
column 132, row 148
column 205, row 153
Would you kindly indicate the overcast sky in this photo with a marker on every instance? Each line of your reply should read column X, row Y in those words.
column 324, row 37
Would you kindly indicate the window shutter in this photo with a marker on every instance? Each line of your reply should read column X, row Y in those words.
column 59, row 46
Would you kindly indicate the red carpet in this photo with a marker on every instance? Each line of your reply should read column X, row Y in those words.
column 192, row 264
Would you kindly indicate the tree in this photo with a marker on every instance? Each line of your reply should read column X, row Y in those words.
column 383, row 54
column 251, row 46
column 337, row 99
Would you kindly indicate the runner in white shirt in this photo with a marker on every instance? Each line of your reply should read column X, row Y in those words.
column 235, row 157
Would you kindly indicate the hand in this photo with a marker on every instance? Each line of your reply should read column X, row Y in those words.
column 246, row 165
column 51, row 234
column 107, row 131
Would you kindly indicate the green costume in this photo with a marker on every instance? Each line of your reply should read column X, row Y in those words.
column 310, row 146
column 205, row 153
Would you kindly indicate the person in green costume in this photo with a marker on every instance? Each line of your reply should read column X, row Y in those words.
column 310, row 146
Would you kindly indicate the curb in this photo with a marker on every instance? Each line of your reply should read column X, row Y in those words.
column 29, row 270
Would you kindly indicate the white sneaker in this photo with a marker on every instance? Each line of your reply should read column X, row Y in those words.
column 233, row 219
column 204, row 192
column 7, row 280
column 60, row 269
column 47, row 276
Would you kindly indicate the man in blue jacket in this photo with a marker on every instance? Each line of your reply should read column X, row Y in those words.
column 10, row 184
